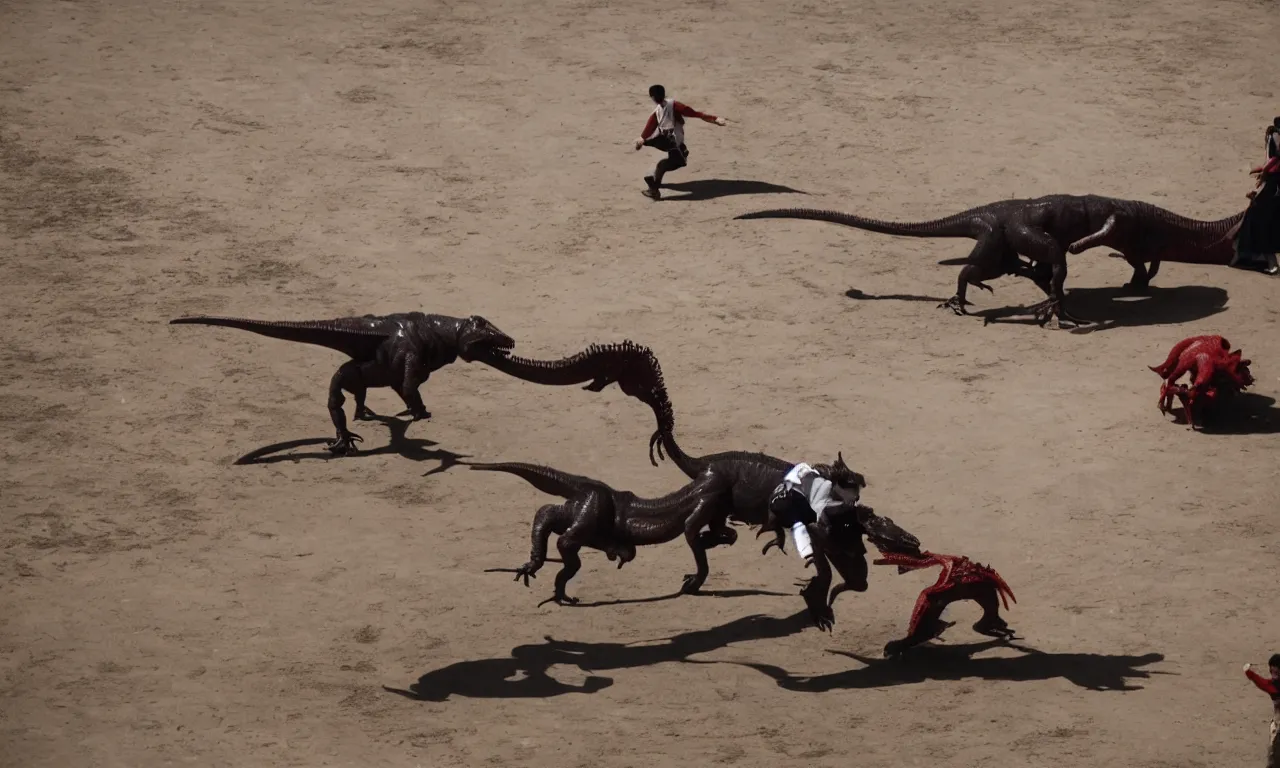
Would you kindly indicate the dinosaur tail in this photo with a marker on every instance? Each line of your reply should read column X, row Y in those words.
column 325, row 333
column 550, row 481
column 957, row 225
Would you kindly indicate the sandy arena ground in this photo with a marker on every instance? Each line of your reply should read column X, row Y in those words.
column 164, row 605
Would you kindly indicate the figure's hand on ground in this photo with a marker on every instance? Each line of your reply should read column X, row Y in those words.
column 1248, row 667
column 639, row 143
column 721, row 121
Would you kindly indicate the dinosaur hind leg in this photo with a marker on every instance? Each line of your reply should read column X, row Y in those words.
column 985, row 262
column 568, row 549
column 990, row 624
column 586, row 525
column 1040, row 246
column 704, row 513
column 348, row 378
column 927, row 624
column 1140, row 283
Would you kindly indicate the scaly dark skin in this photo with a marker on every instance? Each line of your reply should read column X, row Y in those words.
column 960, row 579
column 1045, row 230
column 631, row 366
column 399, row 351
column 615, row 522
column 737, row 486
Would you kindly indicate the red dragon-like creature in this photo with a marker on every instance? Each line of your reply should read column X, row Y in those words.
column 1216, row 374
column 960, row 579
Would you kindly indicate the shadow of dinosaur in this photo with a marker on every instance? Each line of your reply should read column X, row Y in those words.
column 527, row 672
column 1092, row 671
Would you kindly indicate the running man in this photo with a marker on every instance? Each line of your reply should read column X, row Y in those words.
column 1271, row 687
column 665, row 132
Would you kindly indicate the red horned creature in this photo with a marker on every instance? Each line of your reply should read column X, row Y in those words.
column 960, row 579
column 1216, row 373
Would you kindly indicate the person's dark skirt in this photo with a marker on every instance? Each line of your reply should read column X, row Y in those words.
column 1260, row 230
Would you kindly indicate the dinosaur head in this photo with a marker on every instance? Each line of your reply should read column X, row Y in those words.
column 887, row 536
column 846, row 484
column 907, row 562
column 1240, row 368
column 477, row 337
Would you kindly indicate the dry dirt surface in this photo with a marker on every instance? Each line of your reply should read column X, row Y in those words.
column 166, row 605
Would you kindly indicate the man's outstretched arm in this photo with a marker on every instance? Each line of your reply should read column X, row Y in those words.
column 1264, row 684
column 687, row 111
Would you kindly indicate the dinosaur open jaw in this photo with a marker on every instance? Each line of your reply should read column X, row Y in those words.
column 886, row 536
column 901, row 567
column 500, row 350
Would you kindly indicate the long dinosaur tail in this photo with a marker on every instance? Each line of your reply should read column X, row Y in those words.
column 958, row 225
column 546, row 479
column 319, row 332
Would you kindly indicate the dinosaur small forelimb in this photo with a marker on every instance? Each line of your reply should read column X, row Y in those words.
column 779, row 540
column 1088, row 241
column 527, row 571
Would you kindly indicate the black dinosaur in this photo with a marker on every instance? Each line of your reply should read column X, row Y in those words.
column 1045, row 230
column 402, row 350
column 615, row 522
column 737, row 486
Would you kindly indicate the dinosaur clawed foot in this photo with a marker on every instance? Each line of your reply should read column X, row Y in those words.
column 344, row 444
column 364, row 413
column 421, row 414
column 819, row 611
column 955, row 304
column 994, row 628
column 560, row 599
column 692, row 583
column 1051, row 309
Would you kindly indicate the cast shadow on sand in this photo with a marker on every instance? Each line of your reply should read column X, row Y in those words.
column 411, row 448
column 1093, row 671
column 1248, row 413
column 527, row 672
column 1108, row 307
column 854, row 293
column 710, row 189
column 1113, row 307
column 705, row 593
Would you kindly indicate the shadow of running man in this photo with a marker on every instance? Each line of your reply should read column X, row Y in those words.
column 710, row 189
column 411, row 448
column 527, row 673
column 1093, row 671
